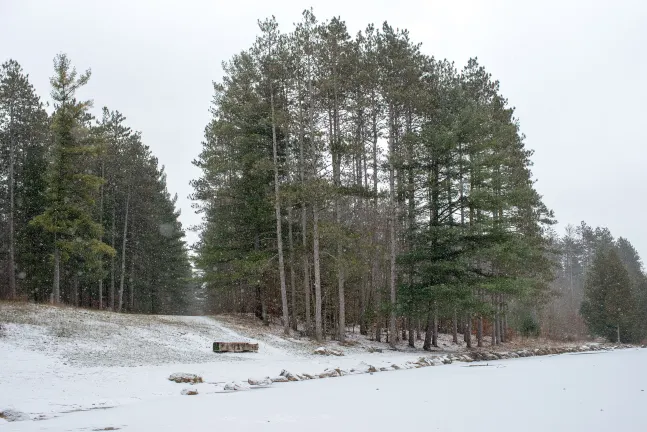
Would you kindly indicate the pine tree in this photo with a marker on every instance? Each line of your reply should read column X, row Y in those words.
column 608, row 304
column 23, row 140
column 71, row 189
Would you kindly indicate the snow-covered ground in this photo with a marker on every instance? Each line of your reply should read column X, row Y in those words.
column 54, row 361
column 81, row 370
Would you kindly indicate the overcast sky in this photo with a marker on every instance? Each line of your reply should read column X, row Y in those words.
column 575, row 70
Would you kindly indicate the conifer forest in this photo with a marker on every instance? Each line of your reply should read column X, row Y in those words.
column 349, row 183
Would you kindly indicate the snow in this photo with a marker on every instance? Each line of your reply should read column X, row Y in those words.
column 83, row 370
column 598, row 392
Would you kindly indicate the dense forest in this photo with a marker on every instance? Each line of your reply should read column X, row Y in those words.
column 348, row 183
column 85, row 215
column 356, row 182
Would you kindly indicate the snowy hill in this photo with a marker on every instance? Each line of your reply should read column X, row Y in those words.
column 55, row 360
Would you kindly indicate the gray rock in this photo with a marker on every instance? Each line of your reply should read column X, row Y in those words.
column 12, row 415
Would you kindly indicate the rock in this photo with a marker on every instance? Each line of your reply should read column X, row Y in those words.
column 321, row 351
column 424, row 361
column 260, row 382
column 181, row 377
column 236, row 386
column 308, row 376
column 12, row 415
column 280, row 379
column 290, row 376
column 361, row 368
column 329, row 373
column 395, row 366
column 374, row 350
column 327, row 351
column 189, row 392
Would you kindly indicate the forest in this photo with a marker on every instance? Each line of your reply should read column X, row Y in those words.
column 85, row 215
column 348, row 183
column 358, row 182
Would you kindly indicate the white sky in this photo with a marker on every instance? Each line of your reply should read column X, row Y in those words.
column 575, row 70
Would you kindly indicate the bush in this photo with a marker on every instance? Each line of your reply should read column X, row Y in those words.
column 529, row 327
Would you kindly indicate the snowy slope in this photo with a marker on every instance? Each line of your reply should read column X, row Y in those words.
column 55, row 361
column 599, row 392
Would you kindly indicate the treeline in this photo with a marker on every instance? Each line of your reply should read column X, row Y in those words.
column 356, row 181
column 85, row 215
column 600, row 287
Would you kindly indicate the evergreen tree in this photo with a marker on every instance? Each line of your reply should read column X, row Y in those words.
column 23, row 142
column 71, row 189
column 608, row 306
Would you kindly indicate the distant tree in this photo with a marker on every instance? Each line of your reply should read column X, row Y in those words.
column 608, row 306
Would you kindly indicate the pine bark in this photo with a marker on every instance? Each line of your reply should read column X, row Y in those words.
column 11, row 219
column 293, row 292
column 56, row 289
column 112, row 260
column 392, row 222
column 101, row 192
column 277, row 211
column 428, row 333
column 123, row 254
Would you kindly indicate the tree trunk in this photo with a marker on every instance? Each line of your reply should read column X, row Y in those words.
column 11, row 222
column 392, row 245
column 362, row 308
column 434, row 340
column 455, row 327
column 335, row 147
column 293, row 293
column 123, row 255
column 412, row 340
column 75, row 291
column 618, row 331
column 112, row 260
column 428, row 334
column 306, row 272
column 315, row 253
column 131, row 279
column 101, row 237
column 315, row 222
column 304, row 226
column 468, row 331
column 56, row 289
column 504, row 339
column 479, row 333
column 277, row 211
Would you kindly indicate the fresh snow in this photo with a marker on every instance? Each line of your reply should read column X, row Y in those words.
column 600, row 392
column 58, row 365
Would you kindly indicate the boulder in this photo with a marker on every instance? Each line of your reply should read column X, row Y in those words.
column 236, row 386
column 260, row 382
column 329, row 373
column 12, row 415
column 328, row 351
column 279, row 379
column 189, row 392
column 181, row 377
column 290, row 376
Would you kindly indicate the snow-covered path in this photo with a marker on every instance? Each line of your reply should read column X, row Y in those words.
column 578, row 392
